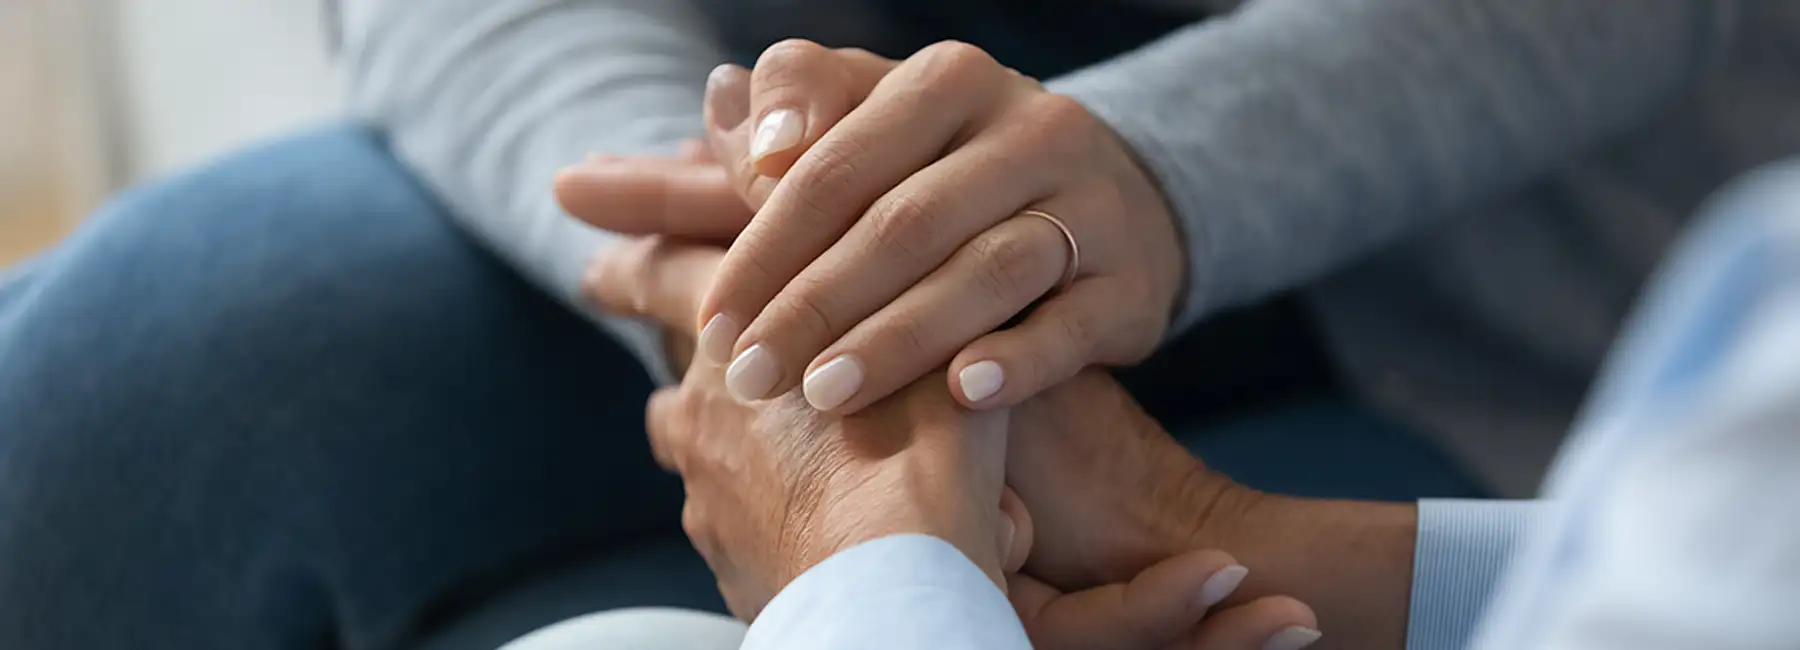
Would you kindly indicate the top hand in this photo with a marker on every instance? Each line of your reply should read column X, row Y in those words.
column 895, row 240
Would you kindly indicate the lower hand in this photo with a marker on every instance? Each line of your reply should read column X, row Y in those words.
column 776, row 487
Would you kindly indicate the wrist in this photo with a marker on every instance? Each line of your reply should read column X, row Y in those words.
column 1350, row 560
column 906, row 493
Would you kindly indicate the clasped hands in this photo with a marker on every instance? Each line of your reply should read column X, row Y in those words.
column 871, row 210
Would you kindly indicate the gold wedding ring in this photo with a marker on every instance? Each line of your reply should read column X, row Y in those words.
column 1074, row 247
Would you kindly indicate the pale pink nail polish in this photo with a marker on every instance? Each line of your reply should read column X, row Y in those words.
column 753, row 375
column 777, row 132
column 1219, row 586
column 1293, row 638
column 718, row 338
column 833, row 383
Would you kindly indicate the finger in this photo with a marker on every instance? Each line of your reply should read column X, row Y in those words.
column 1160, row 605
column 992, row 278
column 657, row 277
column 912, row 115
column 696, row 151
column 654, row 197
column 660, row 423
column 799, row 90
column 1270, row 623
column 1085, row 324
column 1018, row 532
column 904, row 236
column 728, row 128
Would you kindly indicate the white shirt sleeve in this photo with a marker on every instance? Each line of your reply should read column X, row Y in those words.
column 1674, row 522
column 907, row 592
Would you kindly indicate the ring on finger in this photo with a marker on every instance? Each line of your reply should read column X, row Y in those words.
column 1074, row 266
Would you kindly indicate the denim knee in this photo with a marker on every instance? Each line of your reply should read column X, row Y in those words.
column 287, row 375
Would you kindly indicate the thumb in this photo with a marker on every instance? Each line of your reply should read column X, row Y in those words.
column 728, row 133
column 1016, row 532
column 1159, row 606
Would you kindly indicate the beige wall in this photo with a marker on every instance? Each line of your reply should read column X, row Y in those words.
column 98, row 94
column 54, row 161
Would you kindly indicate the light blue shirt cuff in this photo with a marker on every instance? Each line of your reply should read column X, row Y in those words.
column 1463, row 548
column 907, row 592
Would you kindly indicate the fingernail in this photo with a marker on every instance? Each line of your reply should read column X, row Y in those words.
column 753, row 374
column 1293, row 638
column 833, row 383
column 727, row 96
column 777, row 132
column 981, row 380
column 718, row 337
column 1221, row 584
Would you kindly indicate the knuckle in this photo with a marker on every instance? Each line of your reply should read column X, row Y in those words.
column 637, row 272
column 1006, row 265
column 904, row 225
column 911, row 338
column 956, row 64
column 1077, row 333
column 693, row 523
column 830, row 173
column 805, row 312
column 790, row 54
column 1059, row 114
column 956, row 54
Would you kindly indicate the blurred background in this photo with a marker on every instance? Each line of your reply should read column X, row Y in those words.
column 96, row 95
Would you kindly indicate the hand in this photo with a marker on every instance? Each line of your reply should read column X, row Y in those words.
column 774, row 488
column 894, row 238
column 1113, row 493
column 750, row 468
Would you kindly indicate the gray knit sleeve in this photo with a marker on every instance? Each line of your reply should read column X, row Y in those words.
column 486, row 99
column 1294, row 135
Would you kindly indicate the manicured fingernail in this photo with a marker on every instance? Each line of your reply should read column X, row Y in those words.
column 753, row 374
column 1221, row 584
column 981, row 380
column 833, row 383
column 1293, row 638
column 777, row 132
column 718, row 337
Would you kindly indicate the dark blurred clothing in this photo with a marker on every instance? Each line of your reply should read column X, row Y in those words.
column 1468, row 193
column 282, row 402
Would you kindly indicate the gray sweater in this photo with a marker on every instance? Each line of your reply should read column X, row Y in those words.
column 1471, row 190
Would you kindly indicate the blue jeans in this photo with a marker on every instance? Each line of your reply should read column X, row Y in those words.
column 282, row 402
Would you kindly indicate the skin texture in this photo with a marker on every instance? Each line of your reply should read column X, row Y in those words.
column 894, row 239
column 776, row 487
column 1113, row 496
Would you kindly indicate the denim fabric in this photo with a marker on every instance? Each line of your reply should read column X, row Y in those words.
column 282, row 402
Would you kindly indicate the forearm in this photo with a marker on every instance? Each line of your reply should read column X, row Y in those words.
column 486, row 99
column 1295, row 135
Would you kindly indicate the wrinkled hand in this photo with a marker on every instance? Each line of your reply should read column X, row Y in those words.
column 894, row 241
column 775, row 487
